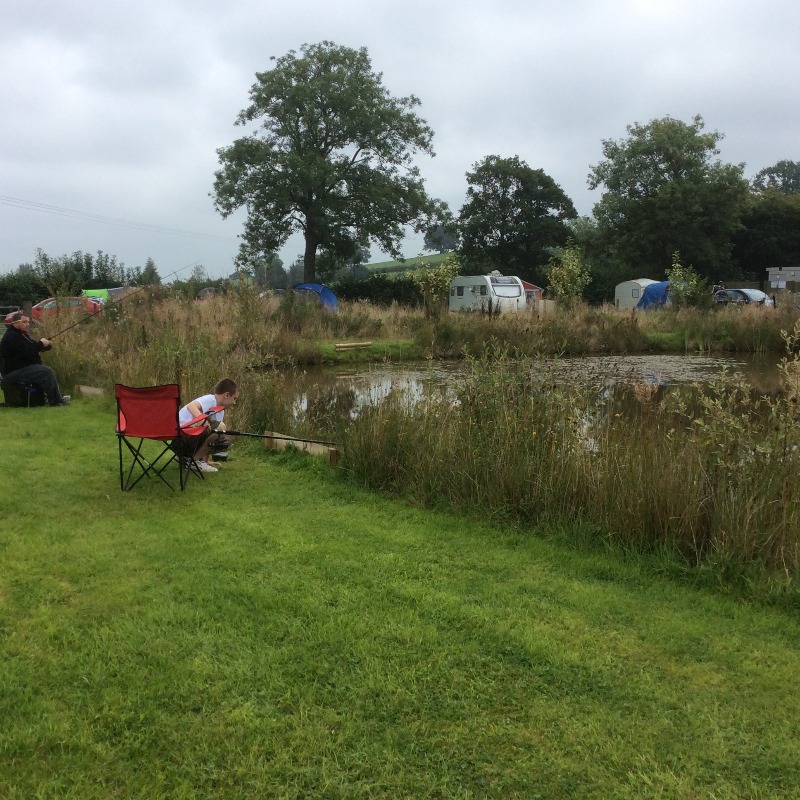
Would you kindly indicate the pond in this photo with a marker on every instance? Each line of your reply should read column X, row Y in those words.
column 365, row 385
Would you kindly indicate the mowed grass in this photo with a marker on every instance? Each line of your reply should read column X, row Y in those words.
column 273, row 632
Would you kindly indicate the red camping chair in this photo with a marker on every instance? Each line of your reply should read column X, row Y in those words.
column 151, row 414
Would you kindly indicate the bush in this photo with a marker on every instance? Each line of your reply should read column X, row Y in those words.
column 381, row 290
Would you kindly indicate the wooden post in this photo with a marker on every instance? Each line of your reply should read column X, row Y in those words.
column 281, row 442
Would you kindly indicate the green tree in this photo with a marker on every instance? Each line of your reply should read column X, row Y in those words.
column 512, row 215
column 64, row 276
column 433, row 282
column 295, row 273
column 22, row 286
column 605, row 272
column 686, row 287
column 144, row 276
column 69, row 274
column 769, row 235
column 567, row 274
column 275, row 276
column 330, row 157
column 106, row 272
column 379, row 289
column 150, row 274
column 441, row 238
column 664, row 193
column 348, row 262
column 783, row 177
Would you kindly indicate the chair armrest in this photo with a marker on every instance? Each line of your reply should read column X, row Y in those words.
column 194, row 427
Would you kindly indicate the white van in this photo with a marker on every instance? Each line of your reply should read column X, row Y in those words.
column 488, row 293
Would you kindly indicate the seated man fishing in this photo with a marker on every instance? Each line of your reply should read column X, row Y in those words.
column 21, row 360
column 224, row 395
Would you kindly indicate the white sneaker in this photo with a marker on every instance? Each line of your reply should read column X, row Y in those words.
column 205, row 467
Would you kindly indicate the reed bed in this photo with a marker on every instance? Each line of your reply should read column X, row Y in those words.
column 709, row 473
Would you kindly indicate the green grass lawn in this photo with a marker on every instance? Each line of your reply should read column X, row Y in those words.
column 409, row 265
column 380, row 350
column 273, row 632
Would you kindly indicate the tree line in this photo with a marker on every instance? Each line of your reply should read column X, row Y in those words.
column 69, row 275
column 329, row 152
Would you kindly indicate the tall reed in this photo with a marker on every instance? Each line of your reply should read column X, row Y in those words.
column 709, row 473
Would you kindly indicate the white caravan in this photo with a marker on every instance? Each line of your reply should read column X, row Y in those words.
column 488, row 293
column 627, row 293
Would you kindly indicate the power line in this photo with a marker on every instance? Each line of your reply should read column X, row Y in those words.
column 44, row 208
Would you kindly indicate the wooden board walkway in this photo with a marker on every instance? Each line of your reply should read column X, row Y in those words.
column 351, row 345
column 282, row 441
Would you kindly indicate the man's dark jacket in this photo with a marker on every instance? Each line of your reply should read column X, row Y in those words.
column 18, row 350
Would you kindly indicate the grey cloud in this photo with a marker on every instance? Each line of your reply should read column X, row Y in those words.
column 119, row 108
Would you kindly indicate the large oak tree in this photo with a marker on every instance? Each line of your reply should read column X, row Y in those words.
column 665, row 193
column 331, row 156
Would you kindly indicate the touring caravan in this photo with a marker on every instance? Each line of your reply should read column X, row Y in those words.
column 628, row 293
column 488, row 293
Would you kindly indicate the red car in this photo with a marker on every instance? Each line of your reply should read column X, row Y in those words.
column 52, row 306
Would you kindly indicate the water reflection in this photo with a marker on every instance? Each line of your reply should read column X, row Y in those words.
column 336, row 392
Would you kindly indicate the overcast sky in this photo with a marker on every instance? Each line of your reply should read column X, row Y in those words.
column 112, row 112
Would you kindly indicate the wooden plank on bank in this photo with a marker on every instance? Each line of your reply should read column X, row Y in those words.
column 351, row 345
column 89, row 391
column 281, row 442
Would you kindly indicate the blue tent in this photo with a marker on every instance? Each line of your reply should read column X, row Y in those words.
column 655, row 295
column 325, row 295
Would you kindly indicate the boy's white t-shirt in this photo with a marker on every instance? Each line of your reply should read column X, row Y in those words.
column 206, row 401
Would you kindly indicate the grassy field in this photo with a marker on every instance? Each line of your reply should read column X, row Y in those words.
column 274, row 632
column 409, row 265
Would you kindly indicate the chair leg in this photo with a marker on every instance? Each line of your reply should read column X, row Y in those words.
column 137, row 457
column 121, row 481
column 188, row 466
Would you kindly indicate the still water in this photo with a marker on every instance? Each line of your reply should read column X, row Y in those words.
column 365, row 385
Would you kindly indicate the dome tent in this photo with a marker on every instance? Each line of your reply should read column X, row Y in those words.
column 322, row 292
column 655, row 295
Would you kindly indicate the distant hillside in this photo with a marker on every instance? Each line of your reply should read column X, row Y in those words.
column 409, row 265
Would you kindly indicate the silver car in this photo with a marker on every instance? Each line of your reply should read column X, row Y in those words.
column 726, row 296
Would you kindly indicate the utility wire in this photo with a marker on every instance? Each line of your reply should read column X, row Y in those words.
column 44, row 208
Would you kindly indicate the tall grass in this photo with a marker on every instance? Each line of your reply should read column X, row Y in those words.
column 709, row 472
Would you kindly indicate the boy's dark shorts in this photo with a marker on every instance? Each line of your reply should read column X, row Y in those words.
column 186, row 446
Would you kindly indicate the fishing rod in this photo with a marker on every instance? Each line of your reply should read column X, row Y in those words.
column 115, row 302
column 216, row 409
column 279, row 437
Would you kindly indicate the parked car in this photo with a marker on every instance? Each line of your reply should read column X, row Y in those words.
column 51, row 306
column 726, row 296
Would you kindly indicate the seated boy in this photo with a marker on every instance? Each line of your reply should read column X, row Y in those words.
column 225, row 394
